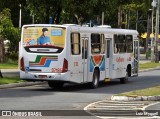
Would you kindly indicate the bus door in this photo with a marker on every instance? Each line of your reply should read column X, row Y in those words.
column 85, row 58
column 108, row 62
column 136, row 57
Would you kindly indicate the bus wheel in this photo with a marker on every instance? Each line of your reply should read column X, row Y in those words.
column 125, row 79
column 55, row 84
column 95, row 80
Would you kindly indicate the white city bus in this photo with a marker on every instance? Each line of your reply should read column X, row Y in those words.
column 77, row 54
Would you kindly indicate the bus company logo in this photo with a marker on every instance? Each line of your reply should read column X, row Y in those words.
column 43, row 61
column 119, row 59
column 6, row 113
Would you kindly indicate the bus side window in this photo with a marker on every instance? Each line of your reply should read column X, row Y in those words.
column 95, row 43
column 102, row 44
column 122, row 43
column 108, row 48
column 84, row 49
column 75, row 43
column 129, row 43
column 116, row 46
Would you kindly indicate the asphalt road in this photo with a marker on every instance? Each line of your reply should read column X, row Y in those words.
column 71, row 97
column 155, row 106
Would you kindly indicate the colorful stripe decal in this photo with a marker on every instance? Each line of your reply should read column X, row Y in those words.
column 43, row 61
column 99, row 61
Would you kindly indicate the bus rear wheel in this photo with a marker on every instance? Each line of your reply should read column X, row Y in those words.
column 124, row 79
column 56, row 85
column 95, row 80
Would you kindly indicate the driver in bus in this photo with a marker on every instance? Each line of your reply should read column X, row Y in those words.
column 43, row 39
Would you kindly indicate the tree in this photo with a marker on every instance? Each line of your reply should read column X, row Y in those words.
column 130, row 14
column 76, row 11
column 8, row 31
column 13, row 5
column 42, row 10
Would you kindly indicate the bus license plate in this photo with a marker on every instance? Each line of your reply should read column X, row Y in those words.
column 42, row 76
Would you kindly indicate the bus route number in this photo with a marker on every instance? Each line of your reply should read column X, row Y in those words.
column 57, row 70
column 75, row 64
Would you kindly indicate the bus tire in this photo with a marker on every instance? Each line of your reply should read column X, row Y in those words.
column 56, row 85
column 124, row 79
column 95, row 80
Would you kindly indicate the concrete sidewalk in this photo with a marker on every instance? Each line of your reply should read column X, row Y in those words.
column 15, row 73
column 144, row 61
column 9, row 70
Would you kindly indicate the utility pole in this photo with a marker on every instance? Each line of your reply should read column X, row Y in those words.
column 148, row 46
column 102, row 18
column 20, row 16
column 33, row 19
column 136, row 19
column 157, row 33
column 120, row 14
column 152, row 38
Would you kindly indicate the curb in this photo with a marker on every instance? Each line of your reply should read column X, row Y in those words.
column 138, row 98
column 150, row 69
column 135, row 98
column 22, row 84
column 9, row 70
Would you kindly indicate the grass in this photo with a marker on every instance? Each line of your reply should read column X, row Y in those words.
column 148, row 65
column 143, row 92
column 8, row 65
column 8, row 80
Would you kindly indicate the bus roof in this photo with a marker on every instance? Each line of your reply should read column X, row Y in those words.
column 76, row 28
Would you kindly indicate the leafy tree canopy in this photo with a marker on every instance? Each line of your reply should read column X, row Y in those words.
column 72, row 11
column 8, row 31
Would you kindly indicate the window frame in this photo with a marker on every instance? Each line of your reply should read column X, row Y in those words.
column 129, row 44
column 97, row 44
column 122, row 43
column 74, row 44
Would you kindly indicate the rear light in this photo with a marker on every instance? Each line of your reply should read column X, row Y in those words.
column 22, row 64
column 65, row 66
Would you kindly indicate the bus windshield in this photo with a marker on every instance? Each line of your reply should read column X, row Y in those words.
column 41, row 39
